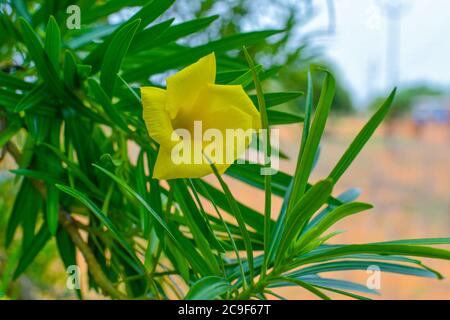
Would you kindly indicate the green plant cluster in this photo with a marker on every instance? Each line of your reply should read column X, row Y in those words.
column 72, row 95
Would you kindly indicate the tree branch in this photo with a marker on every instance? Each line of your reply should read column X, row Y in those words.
column 94, row 267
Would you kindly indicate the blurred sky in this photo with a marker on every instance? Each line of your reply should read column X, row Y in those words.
column 358, row 47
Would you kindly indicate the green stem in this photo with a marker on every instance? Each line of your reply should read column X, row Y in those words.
column 267, row 161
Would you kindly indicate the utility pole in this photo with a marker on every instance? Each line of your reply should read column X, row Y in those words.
column 393, row 11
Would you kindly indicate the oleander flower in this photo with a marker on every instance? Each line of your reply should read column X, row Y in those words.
column 193, row 102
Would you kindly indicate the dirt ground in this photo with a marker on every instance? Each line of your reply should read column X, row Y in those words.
column 405, row 174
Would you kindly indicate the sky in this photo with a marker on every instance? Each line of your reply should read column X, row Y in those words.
column 358, row 47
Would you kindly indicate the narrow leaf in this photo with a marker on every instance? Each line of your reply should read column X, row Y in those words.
column 114, row 55
column 208, row 288
column 361, row 139
column 306, row 161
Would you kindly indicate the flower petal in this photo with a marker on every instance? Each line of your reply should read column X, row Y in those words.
column 221, row 108
column 220, row 97
column 228, row 107
column 192, row 96
column 155, row 117
column 184, row 86
column 166, row 169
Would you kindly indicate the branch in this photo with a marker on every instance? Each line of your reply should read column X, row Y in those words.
column 94, row 267
column 12, row 149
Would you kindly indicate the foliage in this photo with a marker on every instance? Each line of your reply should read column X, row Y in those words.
column 236, row 16
column 298, row 76
column 73, row 94
column 295, row 47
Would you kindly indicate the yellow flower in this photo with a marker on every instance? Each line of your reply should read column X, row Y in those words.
column 191, row 98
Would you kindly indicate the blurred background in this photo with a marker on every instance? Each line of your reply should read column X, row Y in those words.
column 371, row 46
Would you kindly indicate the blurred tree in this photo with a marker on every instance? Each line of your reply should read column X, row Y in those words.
column 406, row 99
column 295, row 48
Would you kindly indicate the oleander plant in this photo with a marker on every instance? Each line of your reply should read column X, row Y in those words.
column 86, row 113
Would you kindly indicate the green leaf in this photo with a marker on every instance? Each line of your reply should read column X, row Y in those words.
column 236, row 76
column 312, row 200
column 141, row 188
column 307, row 120
column 38, row 126
column 344, row 293
column 52, row 202
column 138, row 198
column 363, row 265
column 102, row 98
column 46, row 69
column 162, row 34
column 66, row 248
column 277, row 117
column 8, row 99
column 337, row 284
column 189, row 251
column 33, row 98
column 146, row 38
column 32, row 250
column 53, row 42
column 77, row 134
column 334, row 216
column 40, row 57
column 38, row 175
column 189, row 55
column 87, row 35
column 246, row 79
column 306, row 161
column 67, row 251
column 267, row 159
column 201, row 232
column 101, row 216
column 182, row 30
column 424, row 241
column 361, row 139
column 306, row 286
column 99, row 10
column 251, row 174
column 24, row 203
column 74, row 169
column 7, row 134
column 115, row 54
column 276, row 98
column 70, row 69
column 12, row 82
column 208, row 288
column 240, row 220
column 151, row 11
column 252, row 218
column 345, row 197
column 227, row 229
column 374, row 248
